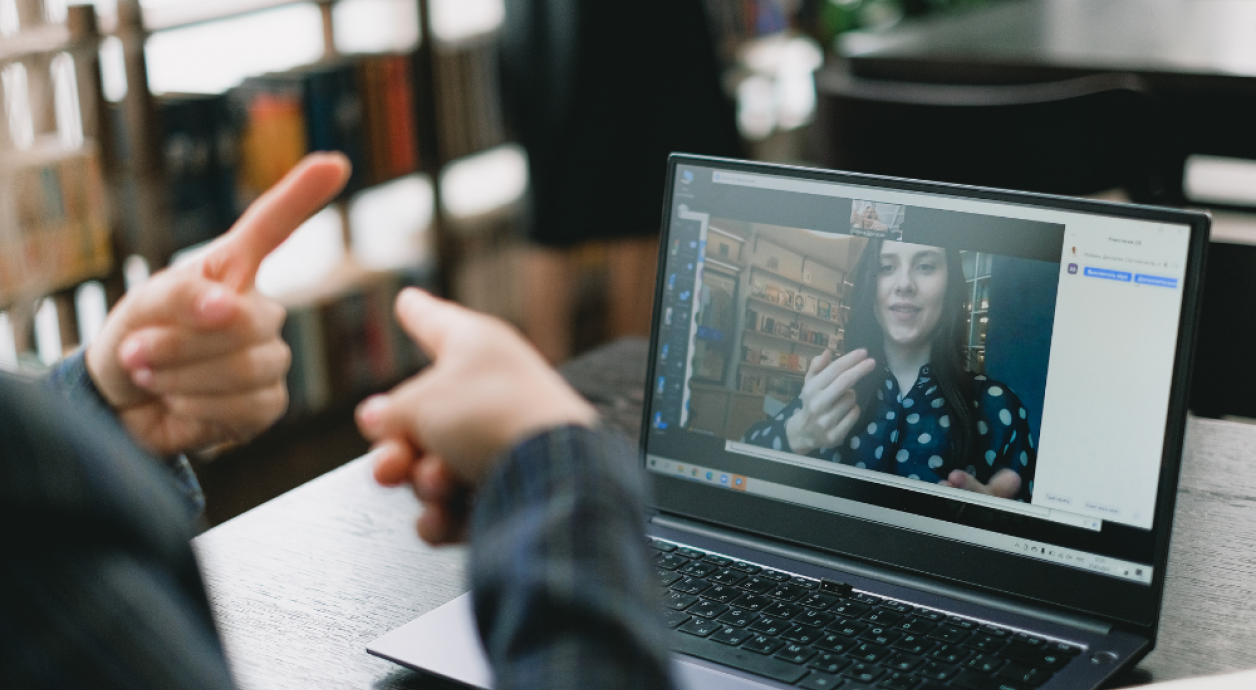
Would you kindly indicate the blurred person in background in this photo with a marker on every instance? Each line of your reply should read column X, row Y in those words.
column 599, row 94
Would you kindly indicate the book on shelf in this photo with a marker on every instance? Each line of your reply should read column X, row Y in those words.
column 469, row 110
column 200, row 148
column 54, row 223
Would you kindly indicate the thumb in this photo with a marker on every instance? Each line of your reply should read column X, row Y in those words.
column 432, row 322
column 963, row 480
column 234, row 258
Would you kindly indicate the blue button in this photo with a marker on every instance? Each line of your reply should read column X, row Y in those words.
column 1158, row 281
column 1108, row 274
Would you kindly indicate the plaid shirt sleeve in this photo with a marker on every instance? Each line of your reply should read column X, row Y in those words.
column 559, row 570
column 98, row 584
column 71, row 380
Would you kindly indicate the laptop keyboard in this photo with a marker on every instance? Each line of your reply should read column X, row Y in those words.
column 824, row 634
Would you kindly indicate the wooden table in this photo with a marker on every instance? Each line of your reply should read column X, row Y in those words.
column 1197, row 56
column 301, row 584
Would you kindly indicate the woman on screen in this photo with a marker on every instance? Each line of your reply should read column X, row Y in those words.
column 902, row 399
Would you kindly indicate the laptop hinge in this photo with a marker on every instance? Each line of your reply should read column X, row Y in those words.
column 881, row 574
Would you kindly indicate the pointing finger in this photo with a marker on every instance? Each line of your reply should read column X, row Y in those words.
column 311, row 185
column 432, row 322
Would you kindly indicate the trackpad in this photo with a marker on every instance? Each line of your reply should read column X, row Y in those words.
column 445, row 643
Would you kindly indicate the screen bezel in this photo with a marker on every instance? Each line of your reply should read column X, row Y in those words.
column 1129, row 605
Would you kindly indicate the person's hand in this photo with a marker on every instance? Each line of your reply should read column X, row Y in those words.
column 486, row 391
column 1004, row 484
column 193, row 357
column 829, row 410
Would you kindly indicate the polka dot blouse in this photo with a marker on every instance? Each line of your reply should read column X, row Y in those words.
column 910, row 434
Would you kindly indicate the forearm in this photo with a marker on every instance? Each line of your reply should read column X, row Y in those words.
column 559, row 571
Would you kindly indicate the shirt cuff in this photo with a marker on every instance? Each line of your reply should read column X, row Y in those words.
column 71, row 380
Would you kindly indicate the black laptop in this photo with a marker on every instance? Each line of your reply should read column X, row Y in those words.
column 902, row 435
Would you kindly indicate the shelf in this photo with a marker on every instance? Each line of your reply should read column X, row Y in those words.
column 791, row 310
column 774, row 370
column 807, row 286
column 791, row 341
column 39, row 40
column 719, row 264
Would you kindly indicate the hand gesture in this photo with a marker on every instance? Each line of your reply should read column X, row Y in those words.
column 486, row 391
column 829, row 410
column 1004, row 484
column 193, row 357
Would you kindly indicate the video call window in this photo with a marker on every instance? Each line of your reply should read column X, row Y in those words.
column 924, row 362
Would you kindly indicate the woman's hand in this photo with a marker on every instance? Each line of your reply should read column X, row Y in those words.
column 828, row 411
column 1004, row 484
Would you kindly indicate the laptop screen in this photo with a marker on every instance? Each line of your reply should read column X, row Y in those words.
column 992, row 373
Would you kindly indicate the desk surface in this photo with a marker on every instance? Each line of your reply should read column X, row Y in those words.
column 1182, row 39
column 301, row 584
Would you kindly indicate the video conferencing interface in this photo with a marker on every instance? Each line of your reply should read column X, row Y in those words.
column 988, row 372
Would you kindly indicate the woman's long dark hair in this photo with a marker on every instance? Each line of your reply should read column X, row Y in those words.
column 948, row 361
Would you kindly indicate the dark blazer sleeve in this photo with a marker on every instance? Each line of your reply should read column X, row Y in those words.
column 560, row 578
column 98, row 584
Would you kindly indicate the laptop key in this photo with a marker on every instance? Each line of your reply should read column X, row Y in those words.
column 669, row 561
column 829, row 662
column 752, row 602
column 691, row 585
column 748, row 568
column 899, row 681
column 757, row 585
column 721, row 593
column 707, row 609
column 868, row 652
column 782, row 610
column 802, row 634
column 770, row 626
column 835, row 643
column 787, row 593
column 902, row 661
column 847, row 627
column 896, row 606
column 971, row 680
column 674, row 618
column 795, row 653
column 962, row 623
column 776, row 575
column 936, row 670
column 1029, row 639
column 949, row 633
column 663, row 546
column 867, row 599
column 880, row 635
column 667, row 577
column 930, row 615
column 1001, row 633
column 818, row 600
column 1021, row 673
column 737, row 618
column 739, row 658
column 822, row 681
column 1035, row 656
column 804, row 582
column 763, row 644
column 983, row 663
column 731, row 636
column 690, row 553
column 985, row 643
column 698, row 569
column 950, row 654
column 818, row 619
column 1063, row 648
column 678, row 600
column 863, row 672
column 850, row 609
column 727, row 576
column 914, row 644
column 917, row 625
column 700, row 627
column 882, row 617
column 718, row 561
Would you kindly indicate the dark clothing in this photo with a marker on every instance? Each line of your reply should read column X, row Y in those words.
column 600, row 93
column 99, row 588
column 910, row 434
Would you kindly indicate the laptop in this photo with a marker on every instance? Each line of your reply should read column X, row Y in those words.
column 902, row 435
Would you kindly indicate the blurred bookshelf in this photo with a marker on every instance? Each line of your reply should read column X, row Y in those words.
column 134, row 131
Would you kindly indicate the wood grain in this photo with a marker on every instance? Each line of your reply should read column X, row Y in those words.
column 301, row 584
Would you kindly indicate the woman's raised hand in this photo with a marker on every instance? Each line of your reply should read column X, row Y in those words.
column 829, row 410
